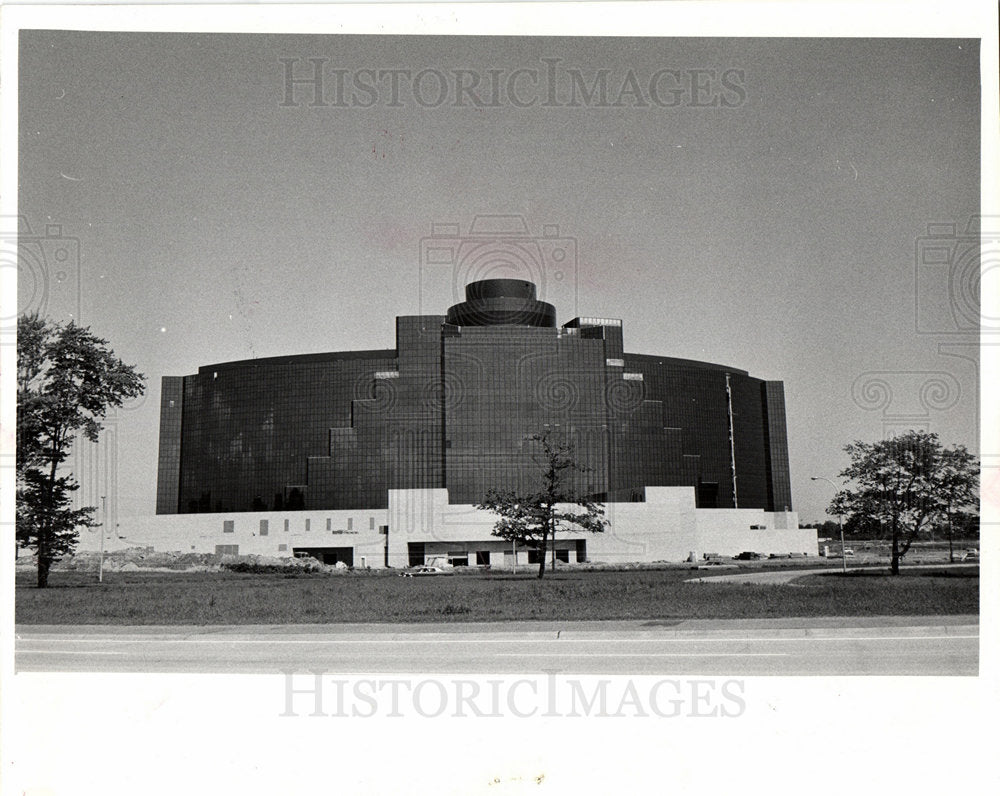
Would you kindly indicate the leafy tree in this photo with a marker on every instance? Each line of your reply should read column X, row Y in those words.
column 964, row 524
column 827, row 528
column 959, row 483
column 534, row 518
column 909, row 483
column 67, row 379
column 861, row 526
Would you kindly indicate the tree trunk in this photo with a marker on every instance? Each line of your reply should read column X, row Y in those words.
column 894, row 566
column 45, row 529
column 543, row 551
column 951, row 546
column 44, row 563
column 42, row 552
column 541, row 555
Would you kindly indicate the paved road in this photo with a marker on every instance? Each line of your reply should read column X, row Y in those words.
column 873, row 646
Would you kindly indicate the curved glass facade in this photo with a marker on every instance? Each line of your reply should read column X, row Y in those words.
column 454, row 405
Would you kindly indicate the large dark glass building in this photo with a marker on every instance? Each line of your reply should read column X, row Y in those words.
column 453, row 406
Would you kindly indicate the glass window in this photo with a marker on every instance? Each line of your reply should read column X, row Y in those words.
column 227, row 526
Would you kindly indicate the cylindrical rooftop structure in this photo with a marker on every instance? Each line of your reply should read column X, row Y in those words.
column 499, row 302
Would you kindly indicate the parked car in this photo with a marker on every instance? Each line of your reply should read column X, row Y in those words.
column 425, row 571
column 970, row 555
column 746, row 555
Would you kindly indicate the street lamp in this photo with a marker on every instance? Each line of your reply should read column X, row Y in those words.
column 104, row 511
column 840, row 520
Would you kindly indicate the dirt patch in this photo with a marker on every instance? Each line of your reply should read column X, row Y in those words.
column 144, row 559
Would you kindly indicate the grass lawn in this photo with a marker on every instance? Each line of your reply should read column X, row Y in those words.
column 136, row 598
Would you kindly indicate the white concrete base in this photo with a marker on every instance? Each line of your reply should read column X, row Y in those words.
column 284, row 532
column 667, row 527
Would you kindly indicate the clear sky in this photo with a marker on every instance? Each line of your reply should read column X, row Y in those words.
column 753, row 202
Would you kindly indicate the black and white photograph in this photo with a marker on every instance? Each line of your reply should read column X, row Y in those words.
column 483, row 398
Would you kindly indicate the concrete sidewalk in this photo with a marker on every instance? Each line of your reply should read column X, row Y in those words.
column 664, row 628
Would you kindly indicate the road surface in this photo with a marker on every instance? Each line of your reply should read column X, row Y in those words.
column 819, row 646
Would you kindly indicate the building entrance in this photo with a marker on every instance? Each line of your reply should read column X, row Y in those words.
column 328, row 555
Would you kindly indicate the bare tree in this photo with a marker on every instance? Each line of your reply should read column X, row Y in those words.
column 534, row 518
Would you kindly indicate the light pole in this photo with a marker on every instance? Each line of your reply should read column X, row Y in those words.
column 513, row 542
column 104, row 511
column 840, row 520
